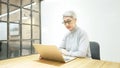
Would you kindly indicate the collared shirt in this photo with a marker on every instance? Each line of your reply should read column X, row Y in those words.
column 76, row 43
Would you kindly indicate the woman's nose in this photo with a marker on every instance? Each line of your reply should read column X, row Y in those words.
column 66, row 24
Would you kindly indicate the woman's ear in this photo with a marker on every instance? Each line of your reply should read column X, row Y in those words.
column 75, row 20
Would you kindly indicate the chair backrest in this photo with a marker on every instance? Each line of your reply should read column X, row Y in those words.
column 95, row 50
column 0, row 46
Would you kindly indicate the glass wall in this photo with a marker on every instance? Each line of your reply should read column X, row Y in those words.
column 19, row 27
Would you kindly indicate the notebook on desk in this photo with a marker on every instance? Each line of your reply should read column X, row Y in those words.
column 51, row 52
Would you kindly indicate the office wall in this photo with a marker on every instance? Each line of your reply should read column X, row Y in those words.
column 99, row 18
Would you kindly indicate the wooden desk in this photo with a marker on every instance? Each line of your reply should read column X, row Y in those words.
column 32, row 61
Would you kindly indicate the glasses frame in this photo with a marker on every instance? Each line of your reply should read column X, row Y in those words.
column 67, row 22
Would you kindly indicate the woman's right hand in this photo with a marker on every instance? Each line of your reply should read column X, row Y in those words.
column 40, row 57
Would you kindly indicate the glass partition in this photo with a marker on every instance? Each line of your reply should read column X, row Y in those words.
column 3, row 31
column 3, row 12
column 26, row 32
column 14, row 48
column 36, row 35
column 3, row 49
column 26, row 47
column 19, row 27
column 15, row 2
column 14, row 14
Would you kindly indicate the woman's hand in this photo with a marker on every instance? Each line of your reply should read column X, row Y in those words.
column 40, row 57
column 64, row 52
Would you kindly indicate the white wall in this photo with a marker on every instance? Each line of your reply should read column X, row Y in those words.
column 99, row 18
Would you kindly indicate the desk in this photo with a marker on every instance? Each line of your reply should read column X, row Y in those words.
column 32, row 61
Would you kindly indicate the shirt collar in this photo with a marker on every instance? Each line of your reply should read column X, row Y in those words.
column 74, row 29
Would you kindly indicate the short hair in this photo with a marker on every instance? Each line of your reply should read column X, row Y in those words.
column 70, row 14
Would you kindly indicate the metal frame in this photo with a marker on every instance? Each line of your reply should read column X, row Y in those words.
column 20, row 24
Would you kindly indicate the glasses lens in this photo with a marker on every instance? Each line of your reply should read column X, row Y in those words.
column 67, row 21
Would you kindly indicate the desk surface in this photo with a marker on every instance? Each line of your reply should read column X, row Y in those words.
column 32, row 61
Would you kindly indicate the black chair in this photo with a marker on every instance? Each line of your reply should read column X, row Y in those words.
column 95, row 50
column 0, row 46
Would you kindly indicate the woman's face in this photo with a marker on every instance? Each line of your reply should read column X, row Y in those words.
column 69, row 22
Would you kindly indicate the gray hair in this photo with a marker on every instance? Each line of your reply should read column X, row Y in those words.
column 70, row 14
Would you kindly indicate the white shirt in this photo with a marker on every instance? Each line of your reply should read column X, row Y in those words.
column 76, row 43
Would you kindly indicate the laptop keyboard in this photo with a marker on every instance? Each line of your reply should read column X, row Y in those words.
column 68, row 58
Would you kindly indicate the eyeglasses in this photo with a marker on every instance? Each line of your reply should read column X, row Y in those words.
column 67, row 21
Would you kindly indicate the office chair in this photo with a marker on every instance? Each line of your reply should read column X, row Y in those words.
column 95, row 50
column 0, row 46
column 0, row 49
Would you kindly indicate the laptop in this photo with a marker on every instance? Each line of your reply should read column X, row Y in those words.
column 51, row 52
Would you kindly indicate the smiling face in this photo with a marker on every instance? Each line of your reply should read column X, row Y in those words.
column 69, row 22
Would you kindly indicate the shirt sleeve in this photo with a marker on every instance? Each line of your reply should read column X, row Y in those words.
column 63, row 42
column 63, row 46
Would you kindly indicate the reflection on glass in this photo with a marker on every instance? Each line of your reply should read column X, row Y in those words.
column 26, row 47
column 26, row 18
column 36, row 32
column 3, row 12
column 3, row 8
column 13, row 9
column 3, row 49
column 14, row 15
column 3, row 31
column 35, row 19
column 35, row 42
column 35, row 6
column 4, row 0
column 14, row 29
column 26, row 2
column 15, row 2
column 4, row 18
column 26, row 31
column 14, row 48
